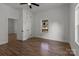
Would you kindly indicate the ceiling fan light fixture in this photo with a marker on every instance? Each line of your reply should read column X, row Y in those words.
column 29, row 4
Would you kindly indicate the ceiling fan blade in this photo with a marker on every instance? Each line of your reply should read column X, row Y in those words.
column 23, row 3
column 35, row 4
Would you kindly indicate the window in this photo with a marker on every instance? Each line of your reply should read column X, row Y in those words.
column 77, row 24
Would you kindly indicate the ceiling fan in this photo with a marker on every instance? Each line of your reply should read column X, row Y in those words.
column 30, row 4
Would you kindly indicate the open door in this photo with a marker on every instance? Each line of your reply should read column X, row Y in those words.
column 12, row 37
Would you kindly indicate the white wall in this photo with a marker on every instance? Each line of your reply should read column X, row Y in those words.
column 19, row 25
column 58, row 18
column 22, row 17
column 5, row 13
column 26, row 23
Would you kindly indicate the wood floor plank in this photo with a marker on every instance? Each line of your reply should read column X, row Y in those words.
column 36, row 47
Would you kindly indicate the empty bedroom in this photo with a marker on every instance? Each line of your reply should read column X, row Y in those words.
column 38, row 29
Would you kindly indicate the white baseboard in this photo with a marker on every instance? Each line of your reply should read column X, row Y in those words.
column 5, row 42
column 51, row 39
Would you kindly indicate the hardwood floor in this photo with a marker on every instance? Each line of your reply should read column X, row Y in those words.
column 12, row 37
column 36, row 47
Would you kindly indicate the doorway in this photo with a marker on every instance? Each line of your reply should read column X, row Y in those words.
column 12, row 37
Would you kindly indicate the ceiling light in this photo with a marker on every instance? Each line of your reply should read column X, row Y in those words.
column 29, row 3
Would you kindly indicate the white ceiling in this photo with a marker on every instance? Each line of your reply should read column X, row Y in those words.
column 45, row 6
column 42, row 7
